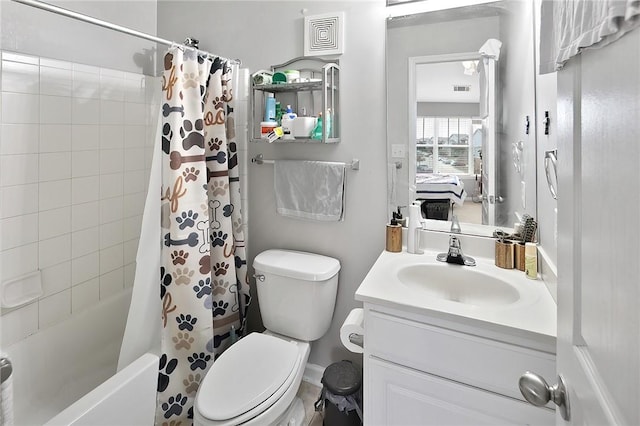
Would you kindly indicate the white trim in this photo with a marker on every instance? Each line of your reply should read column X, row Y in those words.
column 313, row 374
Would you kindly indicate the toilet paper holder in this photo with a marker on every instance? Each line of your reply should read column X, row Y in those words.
column 357, row 339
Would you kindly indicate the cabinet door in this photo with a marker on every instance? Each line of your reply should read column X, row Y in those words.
column 397, row 396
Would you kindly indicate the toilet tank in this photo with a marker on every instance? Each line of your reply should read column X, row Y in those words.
column 298, row 293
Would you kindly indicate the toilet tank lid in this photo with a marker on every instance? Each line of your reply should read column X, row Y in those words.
column 297, row 264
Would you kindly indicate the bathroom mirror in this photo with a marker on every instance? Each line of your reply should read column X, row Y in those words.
column 438, row 126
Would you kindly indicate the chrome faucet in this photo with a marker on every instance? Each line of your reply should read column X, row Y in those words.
column 455, row 255
column 455, row 225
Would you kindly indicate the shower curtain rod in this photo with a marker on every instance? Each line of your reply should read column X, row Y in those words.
column 85, row 18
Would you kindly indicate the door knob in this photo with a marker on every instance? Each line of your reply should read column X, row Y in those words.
column 537, row 392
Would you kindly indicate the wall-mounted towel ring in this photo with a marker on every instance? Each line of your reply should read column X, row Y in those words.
column 551, row 170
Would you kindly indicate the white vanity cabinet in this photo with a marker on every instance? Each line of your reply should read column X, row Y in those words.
column 422, row 370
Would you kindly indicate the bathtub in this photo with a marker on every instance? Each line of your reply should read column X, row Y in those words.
column 66, row 374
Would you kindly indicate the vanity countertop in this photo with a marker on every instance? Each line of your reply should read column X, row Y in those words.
column 532, row 316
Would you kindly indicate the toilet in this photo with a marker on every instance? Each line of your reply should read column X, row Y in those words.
column 256, row 380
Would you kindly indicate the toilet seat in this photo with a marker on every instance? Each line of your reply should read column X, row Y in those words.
column 248, row 378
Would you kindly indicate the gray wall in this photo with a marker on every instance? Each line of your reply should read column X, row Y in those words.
column 448, row 109
column 439, row 38
column 518, row 92
column 266, row 33
column 40, row 33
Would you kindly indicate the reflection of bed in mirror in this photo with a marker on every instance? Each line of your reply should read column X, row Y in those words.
column 439, row 193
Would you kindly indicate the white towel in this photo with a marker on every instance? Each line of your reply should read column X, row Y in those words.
column 310, row 189
column 568, row 27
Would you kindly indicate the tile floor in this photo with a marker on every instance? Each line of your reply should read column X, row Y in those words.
column 309, row 394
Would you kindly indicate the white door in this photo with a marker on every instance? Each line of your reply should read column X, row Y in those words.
column 598, row 351
column 488, row 114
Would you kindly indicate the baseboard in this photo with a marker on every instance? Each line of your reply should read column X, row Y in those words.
column 313, row 374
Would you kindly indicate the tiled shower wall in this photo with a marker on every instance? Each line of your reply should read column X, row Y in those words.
column 75, row 154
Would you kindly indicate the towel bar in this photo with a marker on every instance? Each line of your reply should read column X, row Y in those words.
column 259, row 159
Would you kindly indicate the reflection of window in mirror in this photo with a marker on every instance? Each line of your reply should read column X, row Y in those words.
column 458, row 148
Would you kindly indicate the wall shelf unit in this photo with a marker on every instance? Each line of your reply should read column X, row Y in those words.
column 315, row 91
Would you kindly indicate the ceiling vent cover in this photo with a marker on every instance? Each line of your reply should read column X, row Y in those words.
column 324, row 34
column 461, row 88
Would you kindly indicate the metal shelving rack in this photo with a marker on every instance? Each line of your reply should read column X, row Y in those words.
column 317, row 77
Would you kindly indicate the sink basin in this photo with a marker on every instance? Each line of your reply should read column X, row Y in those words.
column 458, row 284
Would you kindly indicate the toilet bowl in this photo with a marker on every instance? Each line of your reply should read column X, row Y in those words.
column 256, row 380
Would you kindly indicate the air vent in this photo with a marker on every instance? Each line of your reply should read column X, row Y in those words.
column 461, row 88
column 324, row 34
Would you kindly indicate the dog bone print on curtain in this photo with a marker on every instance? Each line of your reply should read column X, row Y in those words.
column 204, row 289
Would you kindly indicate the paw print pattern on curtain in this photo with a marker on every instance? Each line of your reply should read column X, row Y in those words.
column 204, row 288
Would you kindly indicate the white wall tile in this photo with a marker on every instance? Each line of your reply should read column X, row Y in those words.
column 135, row 114
column 111, row 283
column 85, row 295
column 112, row 112
column 111, row 234
column 111, row 258
column 134, row 181
column 111, row 185
column 55, row 308
column 55, row 137
column 132, row 226
column 19, row 77
column 20, row 108
column 130, row 250
column 55, row 81
column 17, row 57
column 133, row 204
column 85, row 111
column 111, row 161
column 56, row 278
column 134, row 136
column 53, row 223
column 133, row 158
column 55, row 109
column 54, row 194
column 85, row 215
column 85, row 241
column 54, row 63
column 111, row 137
column 85, row 268
column 129, row 275
column 85, row 163
column 84, row 190
column 19, row 324
column 85, row 137
column 112, row 88
column 135, row 88
column 18, row 200
column 86, row 85
column 111, row 209
column 18, row 169
column 18, row 231
column 54, row 166
column 19, row 139
column 19, row 261
column 54, row 250
column 85, row 68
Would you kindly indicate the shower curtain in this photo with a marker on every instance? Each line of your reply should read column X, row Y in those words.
column 203, row 276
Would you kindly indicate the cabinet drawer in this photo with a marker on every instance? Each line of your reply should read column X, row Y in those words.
column 401, row 396
column 485, row 363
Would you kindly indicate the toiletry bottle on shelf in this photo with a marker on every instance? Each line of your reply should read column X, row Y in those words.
column 279, row 112
column 287, row 123
column 270, row 108
column 317, row 131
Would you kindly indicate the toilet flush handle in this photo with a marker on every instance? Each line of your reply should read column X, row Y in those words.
column 259, row 277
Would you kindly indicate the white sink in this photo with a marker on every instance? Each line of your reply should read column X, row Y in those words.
column 461, row 284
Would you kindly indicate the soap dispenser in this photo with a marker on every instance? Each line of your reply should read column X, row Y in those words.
column 416, row 223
